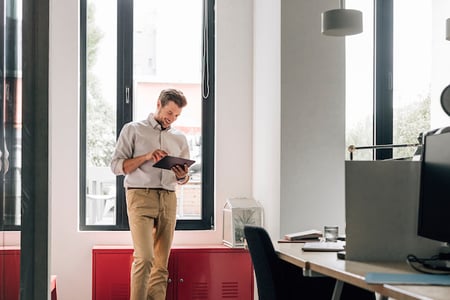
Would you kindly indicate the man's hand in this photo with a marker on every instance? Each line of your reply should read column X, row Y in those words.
column 180, row 171
column 131, row 164
column 157, row 155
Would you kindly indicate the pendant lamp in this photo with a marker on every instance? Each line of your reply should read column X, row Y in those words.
column 342, row 22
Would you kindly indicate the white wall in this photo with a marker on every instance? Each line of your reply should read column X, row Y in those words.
column 440, row 63
column 312, row 119
column 299, row 121
column 299, row 117
column 234, row 30
column 266, row 111
column 71, row 249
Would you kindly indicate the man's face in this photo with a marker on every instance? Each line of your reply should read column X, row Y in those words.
column 168, row 114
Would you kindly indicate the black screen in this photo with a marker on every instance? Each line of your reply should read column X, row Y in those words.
column 434, row 207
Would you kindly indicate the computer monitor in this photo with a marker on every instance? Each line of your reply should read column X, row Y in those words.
column 434, row 203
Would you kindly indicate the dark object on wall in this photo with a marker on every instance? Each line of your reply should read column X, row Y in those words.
column 445, row 100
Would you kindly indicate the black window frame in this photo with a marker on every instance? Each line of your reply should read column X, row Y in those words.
column 383, row 77
column 383, row 64
column 124, row 114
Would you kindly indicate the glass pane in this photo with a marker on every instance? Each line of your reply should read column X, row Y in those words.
column 11, row 147
column 101, row 111
column 12, row 116
column 421, row 70
column 169, row 55
column 359, row 82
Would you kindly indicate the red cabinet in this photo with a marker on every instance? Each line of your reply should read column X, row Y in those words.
column 111, row 273
column 9, row 273
column 215, row 272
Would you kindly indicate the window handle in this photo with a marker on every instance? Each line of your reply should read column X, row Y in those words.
column 127, row 95
column 390, row 81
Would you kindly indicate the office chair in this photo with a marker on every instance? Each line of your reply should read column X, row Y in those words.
column 277, row 279
column 280, row 280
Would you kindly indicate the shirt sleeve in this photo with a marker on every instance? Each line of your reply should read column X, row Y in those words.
column 124, row 149
column 185, row 153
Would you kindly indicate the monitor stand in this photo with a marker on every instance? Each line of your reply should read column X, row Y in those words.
column 438, row 264
column 444, row 252
column 442, row 263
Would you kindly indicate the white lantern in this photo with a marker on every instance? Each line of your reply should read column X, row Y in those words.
column 237, row 213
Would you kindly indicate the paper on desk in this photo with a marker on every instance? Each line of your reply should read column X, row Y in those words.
column 407, row 279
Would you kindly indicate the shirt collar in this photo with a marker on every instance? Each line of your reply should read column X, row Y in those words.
column 155, row 124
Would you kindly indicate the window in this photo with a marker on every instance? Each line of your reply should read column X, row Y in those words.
column 11, row 116
column 359, row 68
column 408, row 70
column 130, row 50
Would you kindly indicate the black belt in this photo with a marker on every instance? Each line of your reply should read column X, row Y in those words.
column 144, row 188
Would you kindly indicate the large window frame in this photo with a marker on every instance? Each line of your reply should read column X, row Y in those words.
column 386, row 113
column 125, row 113
column 383, row 77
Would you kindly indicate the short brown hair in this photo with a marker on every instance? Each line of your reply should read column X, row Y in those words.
column 174, row 95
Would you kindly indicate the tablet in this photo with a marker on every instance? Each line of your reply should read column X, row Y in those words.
column 168, row 162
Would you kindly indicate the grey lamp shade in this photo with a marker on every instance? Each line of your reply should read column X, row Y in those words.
column 342, row 22
column 447, row 31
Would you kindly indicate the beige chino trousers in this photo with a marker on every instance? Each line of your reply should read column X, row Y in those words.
column 152, row 219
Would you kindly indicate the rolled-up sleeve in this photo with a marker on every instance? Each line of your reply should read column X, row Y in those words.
column 117, row 166
column 123, row 150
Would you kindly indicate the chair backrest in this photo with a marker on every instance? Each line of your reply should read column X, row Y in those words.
column 265, row 262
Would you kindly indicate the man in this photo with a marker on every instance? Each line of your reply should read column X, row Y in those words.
column 150, row 191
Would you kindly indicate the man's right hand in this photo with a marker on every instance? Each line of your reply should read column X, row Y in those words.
column 158, row 154
column 131, row 164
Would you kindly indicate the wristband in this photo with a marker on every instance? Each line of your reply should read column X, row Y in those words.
column 183, row 180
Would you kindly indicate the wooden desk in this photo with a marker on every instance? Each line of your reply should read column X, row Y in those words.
column 353, row 272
